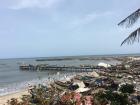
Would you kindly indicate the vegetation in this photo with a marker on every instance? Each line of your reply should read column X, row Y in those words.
column 42, row 95
column 127, row 88
column 111, row 98
column 100, row 98
column 129, row 21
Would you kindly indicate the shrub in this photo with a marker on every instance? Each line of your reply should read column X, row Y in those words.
column 117, row 99
column 127, row 88
column 103, row 98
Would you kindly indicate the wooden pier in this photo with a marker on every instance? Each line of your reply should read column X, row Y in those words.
column 59, row 68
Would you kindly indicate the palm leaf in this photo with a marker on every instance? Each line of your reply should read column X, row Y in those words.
column 131, row 19
column 132, row 37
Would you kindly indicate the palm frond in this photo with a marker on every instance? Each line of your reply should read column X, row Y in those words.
column 131, row 19
column 132, row 37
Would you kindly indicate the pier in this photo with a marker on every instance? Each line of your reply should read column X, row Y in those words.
column 44, row 67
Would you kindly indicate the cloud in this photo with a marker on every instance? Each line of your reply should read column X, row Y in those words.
column 88, row 18
column 84, row 19
column 22, row 4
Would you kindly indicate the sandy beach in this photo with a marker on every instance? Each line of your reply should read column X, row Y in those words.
column 18, row 95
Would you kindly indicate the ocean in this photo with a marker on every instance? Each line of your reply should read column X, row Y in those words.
column 13, row 79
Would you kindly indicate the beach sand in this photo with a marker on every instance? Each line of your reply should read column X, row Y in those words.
column 17, row 95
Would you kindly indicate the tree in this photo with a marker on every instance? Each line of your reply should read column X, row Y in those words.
column 129, row 21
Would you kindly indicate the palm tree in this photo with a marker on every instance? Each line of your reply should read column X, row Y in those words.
column 129, row 21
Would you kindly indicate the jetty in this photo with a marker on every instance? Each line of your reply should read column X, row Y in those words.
column 43, row 67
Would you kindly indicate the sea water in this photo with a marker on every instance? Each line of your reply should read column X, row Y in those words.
column 13, row 79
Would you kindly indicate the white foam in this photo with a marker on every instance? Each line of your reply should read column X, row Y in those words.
column 16, row 87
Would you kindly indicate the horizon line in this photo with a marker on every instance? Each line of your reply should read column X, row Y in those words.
column 134, row 54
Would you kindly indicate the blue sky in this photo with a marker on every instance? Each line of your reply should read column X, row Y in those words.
column 34, row 28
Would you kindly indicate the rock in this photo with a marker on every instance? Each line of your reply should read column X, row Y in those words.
column 94, row 74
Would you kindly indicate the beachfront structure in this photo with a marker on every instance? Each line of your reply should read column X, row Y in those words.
column 60, row 68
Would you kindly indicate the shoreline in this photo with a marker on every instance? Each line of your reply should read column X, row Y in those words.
column 24, row 85
column 17, row 95
column 104, row 79
column 46, row 81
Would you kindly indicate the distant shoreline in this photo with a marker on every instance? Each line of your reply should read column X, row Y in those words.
column 73, row 56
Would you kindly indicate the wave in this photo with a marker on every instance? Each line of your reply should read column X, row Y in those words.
column 16, row 87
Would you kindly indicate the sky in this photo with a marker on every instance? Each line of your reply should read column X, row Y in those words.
column 44, row 28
